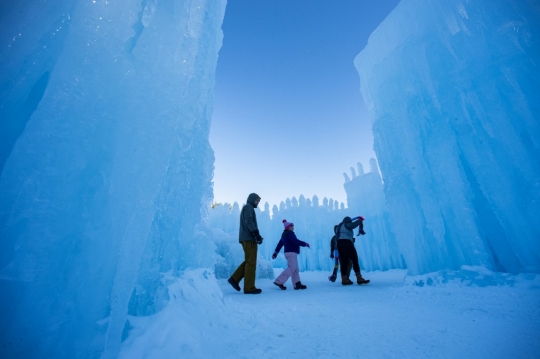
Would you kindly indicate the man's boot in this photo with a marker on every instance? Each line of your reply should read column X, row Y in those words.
column 254, row 291
column 345, row 280
column 234, row 283
column 360, row 279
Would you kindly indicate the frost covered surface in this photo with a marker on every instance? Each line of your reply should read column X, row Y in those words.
column 105, row 165
column 388, row 318
column 452, row 88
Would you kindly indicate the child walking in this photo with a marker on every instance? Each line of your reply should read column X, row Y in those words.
column 292, row 250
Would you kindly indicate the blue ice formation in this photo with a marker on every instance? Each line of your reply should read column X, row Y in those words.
column 105, row 164
column 313, row 221
column 452, row 89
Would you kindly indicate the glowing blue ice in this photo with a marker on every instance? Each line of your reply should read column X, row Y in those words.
column 452, row 88
column 105, row 164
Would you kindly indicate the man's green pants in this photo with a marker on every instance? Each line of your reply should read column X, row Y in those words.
column 247, row 269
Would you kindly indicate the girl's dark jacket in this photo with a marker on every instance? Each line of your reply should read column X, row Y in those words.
column 291, row 243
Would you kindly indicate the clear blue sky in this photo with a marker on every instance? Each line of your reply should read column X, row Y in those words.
column 289, row 118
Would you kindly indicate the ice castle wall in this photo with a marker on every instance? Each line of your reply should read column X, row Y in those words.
column 313, row 220
column 452, row 88
column 314, row 223
column 106, row 165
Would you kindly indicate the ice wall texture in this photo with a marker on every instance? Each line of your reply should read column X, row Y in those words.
column 105, row 112
column 452, row 88
column 313, row 221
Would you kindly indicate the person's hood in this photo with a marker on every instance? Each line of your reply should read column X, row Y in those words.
column 347, row 219
column 252, row 198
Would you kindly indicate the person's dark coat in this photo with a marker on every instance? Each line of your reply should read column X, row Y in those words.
column 248, row 220
column 347, row 226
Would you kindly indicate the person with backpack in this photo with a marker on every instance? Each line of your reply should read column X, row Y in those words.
column 347, row 251
column 292, row 250
column 249, row 238
column 334, row 254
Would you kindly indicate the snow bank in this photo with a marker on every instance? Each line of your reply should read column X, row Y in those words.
column 187, row 326
column 474, row 276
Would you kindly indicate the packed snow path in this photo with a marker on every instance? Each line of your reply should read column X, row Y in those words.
column 384, row 319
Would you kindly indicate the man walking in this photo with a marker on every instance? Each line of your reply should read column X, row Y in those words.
column 346, row 249
column 249, row 238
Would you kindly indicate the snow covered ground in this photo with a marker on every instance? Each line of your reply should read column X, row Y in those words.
column 393, row 317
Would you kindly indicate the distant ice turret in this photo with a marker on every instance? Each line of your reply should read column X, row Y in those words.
column 288, row 203
column 360, row 169
column 373, row 166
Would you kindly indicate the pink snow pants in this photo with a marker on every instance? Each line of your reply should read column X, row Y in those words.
column 291, row 271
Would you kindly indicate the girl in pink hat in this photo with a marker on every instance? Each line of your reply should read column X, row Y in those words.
column 292, row 250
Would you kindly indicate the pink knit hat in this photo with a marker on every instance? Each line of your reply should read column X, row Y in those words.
column 287, row 224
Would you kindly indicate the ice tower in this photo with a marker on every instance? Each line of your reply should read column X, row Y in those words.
column 452, row 89
column 105, row 164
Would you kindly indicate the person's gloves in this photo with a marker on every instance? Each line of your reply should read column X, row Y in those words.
column 274, row 256
column 361, row 229
column 307, row 245
column 257, row 236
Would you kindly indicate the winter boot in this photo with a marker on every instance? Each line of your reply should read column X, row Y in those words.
column 345, row 280
column 281, row 286
column 254, row 291
column 360, row 279
column 299, row 285
column 234, row 284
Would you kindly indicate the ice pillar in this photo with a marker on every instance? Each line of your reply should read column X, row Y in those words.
column 105, row 164
column 452, row 88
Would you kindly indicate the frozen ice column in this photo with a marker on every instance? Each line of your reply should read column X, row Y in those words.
column 108, row 170
column 452, row 89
